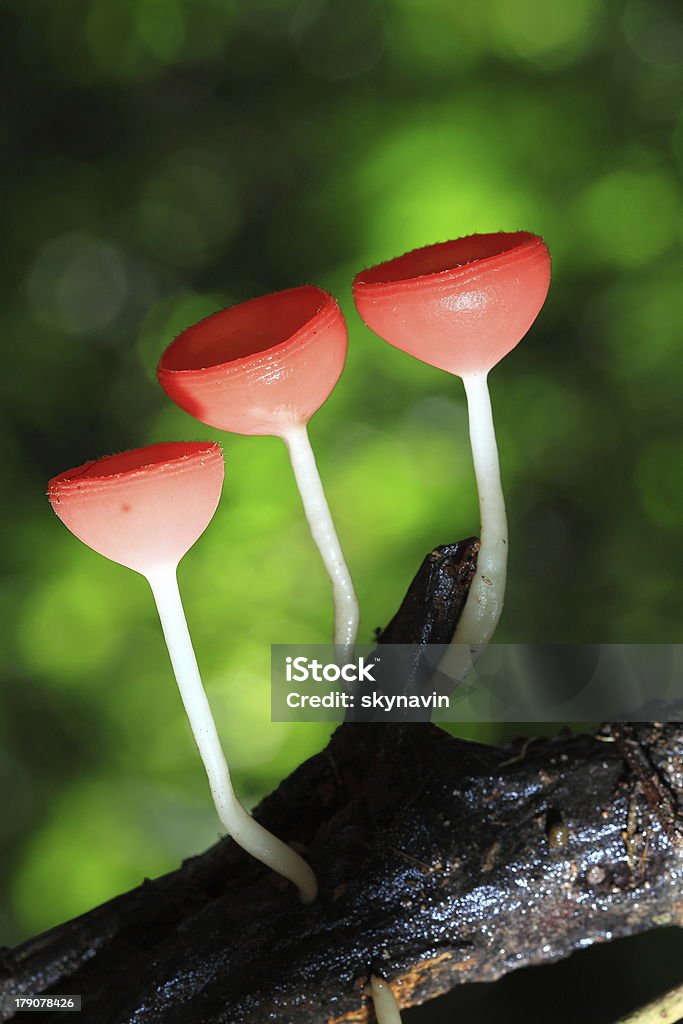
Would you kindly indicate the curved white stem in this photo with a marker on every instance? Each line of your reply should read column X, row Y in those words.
column 246, row 832
column 667, row 1009
column 386, row 1008
column 487, row 592
column 325, row 536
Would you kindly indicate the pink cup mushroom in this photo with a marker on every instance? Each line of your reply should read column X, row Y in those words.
column 264, row 367
column 462, row 306
column 144, row 509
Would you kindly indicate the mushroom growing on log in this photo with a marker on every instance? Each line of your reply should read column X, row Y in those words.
column 144, row 509
column 265, row 367
column 462, row 306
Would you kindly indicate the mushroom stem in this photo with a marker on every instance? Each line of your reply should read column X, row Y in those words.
column 667, row 1009
column 325, row 536
column 485, row 599
column 240, row 825
column 386, row 1008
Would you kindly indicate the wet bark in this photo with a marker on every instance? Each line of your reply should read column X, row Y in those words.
column 439, row 861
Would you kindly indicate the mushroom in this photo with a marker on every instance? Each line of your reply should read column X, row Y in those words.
column 461, row 306
column 384, row 1001
column 144, row 509
column 264, row 367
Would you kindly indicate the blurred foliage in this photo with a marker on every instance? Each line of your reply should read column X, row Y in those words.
column 170, row 157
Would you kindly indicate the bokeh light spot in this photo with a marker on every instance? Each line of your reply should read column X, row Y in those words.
column 660, row 482
column 655, row 31
column 78, row 284
column 640, row 319
column 69, row 629
column 438, row 38
column 161, row 26
column 187, row 208
column 557, row 33
column 338, row 41
column 115, row 46
column 628, row 216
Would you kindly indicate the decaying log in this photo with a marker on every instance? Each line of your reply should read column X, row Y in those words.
column 440, row 862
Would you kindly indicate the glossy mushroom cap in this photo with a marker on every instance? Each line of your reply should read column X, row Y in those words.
column 259, row 367
column 144, row 508
column 458, row 305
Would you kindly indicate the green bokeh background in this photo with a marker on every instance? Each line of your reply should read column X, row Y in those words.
column 168, row 158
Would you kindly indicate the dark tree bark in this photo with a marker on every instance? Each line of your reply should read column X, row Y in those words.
column 439, row 861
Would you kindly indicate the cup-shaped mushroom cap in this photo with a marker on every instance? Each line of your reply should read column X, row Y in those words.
column 459, row 305
column 260, row 367
column 144, row 508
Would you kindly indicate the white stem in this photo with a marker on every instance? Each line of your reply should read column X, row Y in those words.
column 667, row 1009
column 485, row 599
column 386, row 1008
column 246, row 832
column 325, row 536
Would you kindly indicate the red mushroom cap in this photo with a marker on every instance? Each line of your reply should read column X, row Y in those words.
column 459, row 305
column 261, row 366
column 144, row 508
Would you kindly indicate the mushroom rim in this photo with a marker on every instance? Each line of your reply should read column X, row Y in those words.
column 523, row 245
column 319, row 317
column 81, row 478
